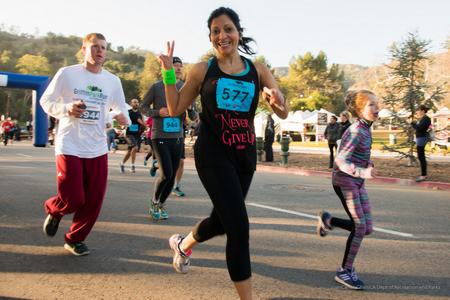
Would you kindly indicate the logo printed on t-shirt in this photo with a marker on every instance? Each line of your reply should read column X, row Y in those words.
column 236, row 131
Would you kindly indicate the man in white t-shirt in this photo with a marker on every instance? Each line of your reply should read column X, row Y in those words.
column 80, row 97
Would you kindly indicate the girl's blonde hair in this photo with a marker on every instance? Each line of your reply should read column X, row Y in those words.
column 356, row 100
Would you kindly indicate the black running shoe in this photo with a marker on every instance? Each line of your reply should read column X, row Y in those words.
column 78, row 249
column 51, row 224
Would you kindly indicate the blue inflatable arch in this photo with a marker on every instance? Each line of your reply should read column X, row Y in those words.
column 38, row 84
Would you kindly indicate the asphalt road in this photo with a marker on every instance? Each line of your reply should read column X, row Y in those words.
column 407, row 257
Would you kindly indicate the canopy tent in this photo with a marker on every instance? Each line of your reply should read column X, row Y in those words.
column 313, row 117
column 260, row 123
column 385, row 113
column 443, row 112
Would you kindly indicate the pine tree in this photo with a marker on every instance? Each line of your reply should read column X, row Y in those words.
column 407, row 88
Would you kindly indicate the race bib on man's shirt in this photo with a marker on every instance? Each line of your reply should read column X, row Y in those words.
column 133, row 128
column 171, row 125
column 234, row 94
column 91, row 115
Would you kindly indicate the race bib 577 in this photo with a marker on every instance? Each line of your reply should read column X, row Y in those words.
column 234, row 94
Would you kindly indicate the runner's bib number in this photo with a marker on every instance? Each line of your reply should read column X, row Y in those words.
column 133, row 128
column 234, row 94
column 91, row 115
column 171, row 125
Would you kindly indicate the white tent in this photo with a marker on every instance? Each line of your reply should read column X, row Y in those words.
column 260, row 123
column 312, row 118
column 443, row 112
column 385, row 113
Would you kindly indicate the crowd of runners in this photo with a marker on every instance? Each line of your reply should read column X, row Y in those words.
column 84, row 97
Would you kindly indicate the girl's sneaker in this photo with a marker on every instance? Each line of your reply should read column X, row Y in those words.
column 181, row 260
column 154, row 211
column 164, row 215
column 348, row 278
column 323, row 224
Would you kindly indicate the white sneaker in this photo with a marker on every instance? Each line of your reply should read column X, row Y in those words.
column 181, row 260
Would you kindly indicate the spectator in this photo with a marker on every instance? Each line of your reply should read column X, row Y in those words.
column 269, row 136
column 332, row 134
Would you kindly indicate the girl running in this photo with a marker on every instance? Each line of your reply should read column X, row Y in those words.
column 225, row 153
column 352, row 166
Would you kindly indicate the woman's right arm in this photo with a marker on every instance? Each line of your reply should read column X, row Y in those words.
column 179, row 101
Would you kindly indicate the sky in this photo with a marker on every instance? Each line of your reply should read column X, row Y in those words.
column 348, row 31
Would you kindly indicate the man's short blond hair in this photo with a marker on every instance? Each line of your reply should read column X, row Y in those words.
column 92, row 36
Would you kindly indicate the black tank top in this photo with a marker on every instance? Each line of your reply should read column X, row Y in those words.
column 226, row 132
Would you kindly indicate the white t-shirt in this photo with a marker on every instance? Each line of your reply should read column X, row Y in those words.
column 85, row 136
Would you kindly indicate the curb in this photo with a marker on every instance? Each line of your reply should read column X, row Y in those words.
column 305, row 172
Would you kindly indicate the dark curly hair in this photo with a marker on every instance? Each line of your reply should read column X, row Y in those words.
column 423, row 108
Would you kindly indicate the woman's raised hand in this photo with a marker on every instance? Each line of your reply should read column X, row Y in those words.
column 166, row 60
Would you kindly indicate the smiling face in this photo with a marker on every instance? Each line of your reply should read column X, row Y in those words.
column 370, row 110
column 224, row 35
column 94, row 52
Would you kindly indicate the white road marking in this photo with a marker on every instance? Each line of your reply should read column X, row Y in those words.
column 393, row 232
column 24, row 155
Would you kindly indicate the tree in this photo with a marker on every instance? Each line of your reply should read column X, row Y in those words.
column 408, row 88
column 310, row 84
column 150, row 74
column 33, row 64
column 6, row 61
column 128, row 77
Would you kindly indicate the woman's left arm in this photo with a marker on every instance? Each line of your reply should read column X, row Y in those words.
column 275, row 97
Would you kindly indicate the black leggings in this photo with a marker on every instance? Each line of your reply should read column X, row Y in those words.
column 150, row 152
column 422, row 160
column 168, row 153
column 227, row 189
column 332, row 147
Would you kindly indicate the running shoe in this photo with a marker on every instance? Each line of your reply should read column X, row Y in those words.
column 122, row 168
column 77, row 249
column 51, row 224
column 323, row 222
column 145, row 162
column 348, row 278
column 177, row 192
column 133, row 169
column 154, row 211
column 163, row 212
column 153, row 169
column 181, row 260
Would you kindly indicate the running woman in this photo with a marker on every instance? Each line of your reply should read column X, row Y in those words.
column 167, row 141
column 352, row 166
column 225, row 153
column 80, row 96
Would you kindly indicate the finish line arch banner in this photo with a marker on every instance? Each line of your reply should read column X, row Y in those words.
column 38, row 84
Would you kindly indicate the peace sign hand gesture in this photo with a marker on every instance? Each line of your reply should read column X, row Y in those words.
column 166, row 60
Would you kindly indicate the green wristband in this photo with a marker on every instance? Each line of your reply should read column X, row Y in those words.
column 169, row 76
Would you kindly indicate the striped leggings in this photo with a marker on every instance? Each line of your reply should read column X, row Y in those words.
column 355, row 200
